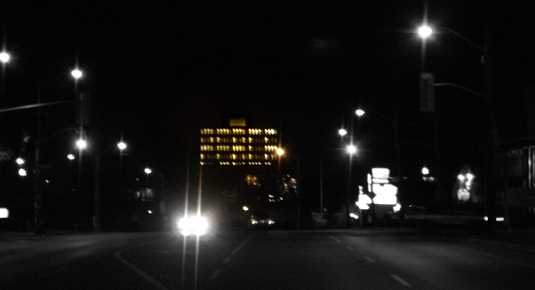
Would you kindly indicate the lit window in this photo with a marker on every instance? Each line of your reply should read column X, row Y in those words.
column 202, row 156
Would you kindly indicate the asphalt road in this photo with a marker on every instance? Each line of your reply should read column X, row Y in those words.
column 355, row 259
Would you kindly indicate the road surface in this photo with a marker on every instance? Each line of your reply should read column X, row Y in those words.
column 329, row 259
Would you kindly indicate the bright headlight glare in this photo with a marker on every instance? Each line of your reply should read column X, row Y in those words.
column 192, row 225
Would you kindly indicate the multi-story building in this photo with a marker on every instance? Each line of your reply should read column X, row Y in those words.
column 241, row 167
column 238, row 145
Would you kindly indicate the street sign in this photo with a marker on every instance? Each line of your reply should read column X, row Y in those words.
column 427, row 92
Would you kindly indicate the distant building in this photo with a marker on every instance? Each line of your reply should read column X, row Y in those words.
column 238, row 145
column 241, row 166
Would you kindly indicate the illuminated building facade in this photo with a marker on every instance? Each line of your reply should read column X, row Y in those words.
column 238, row 145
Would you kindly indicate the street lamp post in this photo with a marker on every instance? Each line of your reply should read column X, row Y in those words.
column 350, row 150
column 122, row 146
column 425, row 32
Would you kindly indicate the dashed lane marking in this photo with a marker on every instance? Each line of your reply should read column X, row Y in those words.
column 400, row 280
column 369, row 259
column 216, row 273
column 140, row 272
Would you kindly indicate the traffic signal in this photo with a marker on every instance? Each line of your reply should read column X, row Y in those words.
column 427, row 92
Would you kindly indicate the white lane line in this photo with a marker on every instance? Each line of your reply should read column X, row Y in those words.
column 400, row 280
column 335, row 239
column 350, row 248
column 241, row 245
column 369, row 259
column 227, row 259
column 215, row 274
column 140, row 272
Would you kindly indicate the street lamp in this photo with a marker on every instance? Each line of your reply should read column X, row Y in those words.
column 425, row 170
column 77, row 74
column 22, row 172
column 71, row 157
column 147, row 170
column 5, row 57
column 81, row 144
column 245, row 208
column 351, row 149
column 360, row 112
column 121, row 145
column 342, row 132
column 424, row 31
column 20, row 161
column 280, row 152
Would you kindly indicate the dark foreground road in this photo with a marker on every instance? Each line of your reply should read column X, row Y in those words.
column 372, row 259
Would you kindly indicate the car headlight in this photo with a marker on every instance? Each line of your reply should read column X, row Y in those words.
column 192, row 225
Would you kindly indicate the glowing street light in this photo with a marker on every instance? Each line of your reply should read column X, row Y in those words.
column 77, row 74
column 71, row 156
column 351, row 149
column 245, row 208
column 81, row 144
column 22, row 172
column 121, row 145
column 280, row 152
column 425, row 170
column 5, row 57
column 469, row 176
column 147, row 170
column 342, row 132
column 424, row 31
column 360, row 112
column 20, row 161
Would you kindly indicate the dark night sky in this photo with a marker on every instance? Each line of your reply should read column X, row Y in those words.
column 156, row 71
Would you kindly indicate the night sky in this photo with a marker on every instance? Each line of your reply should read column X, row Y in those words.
column 159, row 71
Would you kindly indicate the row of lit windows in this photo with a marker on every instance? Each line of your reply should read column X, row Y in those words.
column 237, row 140
column 233, row 156
column 237, row 131
column 237, row 148
column 270, row 147
column 227, row 163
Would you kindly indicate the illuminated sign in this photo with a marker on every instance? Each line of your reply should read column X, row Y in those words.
column 385, row 194
column 380, row 175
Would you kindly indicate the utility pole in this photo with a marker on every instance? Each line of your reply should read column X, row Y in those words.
column 321, row 188
column 38, row 192
column 493, row 135
column 96, row 190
